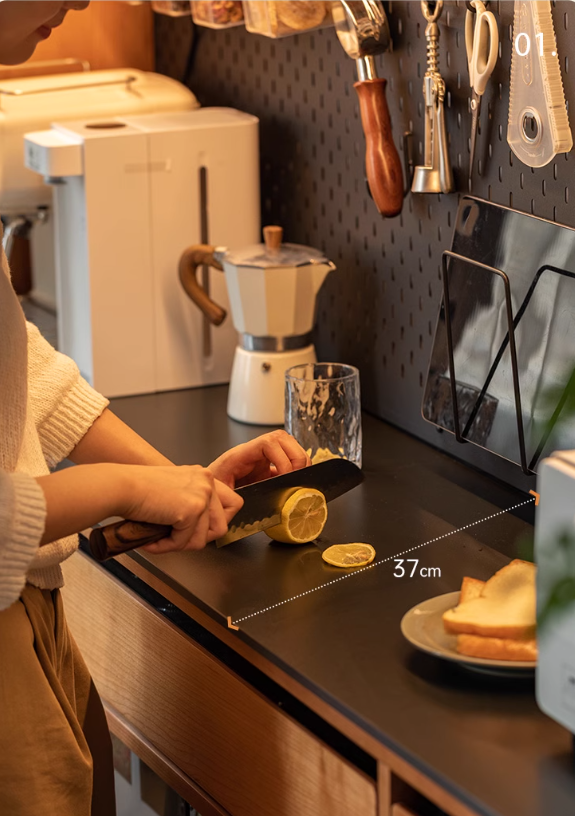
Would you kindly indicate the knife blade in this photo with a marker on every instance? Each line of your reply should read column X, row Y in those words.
column 261, row 509
column 263, row 501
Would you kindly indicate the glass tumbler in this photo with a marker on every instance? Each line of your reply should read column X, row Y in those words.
column 323, row 410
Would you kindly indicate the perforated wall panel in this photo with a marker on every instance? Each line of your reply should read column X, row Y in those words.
column 378, row 311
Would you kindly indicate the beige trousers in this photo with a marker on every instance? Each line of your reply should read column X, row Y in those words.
column 55, row 748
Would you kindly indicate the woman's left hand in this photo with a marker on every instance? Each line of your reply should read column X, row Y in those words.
column 268, row 455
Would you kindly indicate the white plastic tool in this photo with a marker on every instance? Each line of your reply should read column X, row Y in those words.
column 538, row 126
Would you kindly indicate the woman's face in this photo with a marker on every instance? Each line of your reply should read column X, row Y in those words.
column 25, row 23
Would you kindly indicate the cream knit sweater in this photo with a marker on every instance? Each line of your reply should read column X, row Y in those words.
column 45, row 409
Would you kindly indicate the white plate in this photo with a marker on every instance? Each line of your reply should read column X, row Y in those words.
column 422, row 626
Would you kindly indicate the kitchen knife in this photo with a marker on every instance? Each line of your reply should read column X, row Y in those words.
column 262, row 506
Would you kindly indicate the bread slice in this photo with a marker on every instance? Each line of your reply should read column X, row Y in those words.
column 505, row 608
column 470, row 588
column 497, row 648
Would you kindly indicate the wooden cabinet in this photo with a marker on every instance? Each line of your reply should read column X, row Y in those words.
column 410, row 793
column 108, row 35
column 211, row 736
column 238, row 749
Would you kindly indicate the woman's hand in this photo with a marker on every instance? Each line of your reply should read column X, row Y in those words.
column 268, row 455
column 189, row 499
column 196, row 505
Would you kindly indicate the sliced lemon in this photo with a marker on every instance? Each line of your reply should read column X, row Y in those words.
column 303, row 517
column 349, row 555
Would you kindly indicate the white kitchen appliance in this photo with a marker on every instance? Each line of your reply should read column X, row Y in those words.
column 33, row 103
column 130, row 193
column 555, row 557
column 272, row 289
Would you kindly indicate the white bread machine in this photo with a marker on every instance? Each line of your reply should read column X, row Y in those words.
column 130, row 194
column 33, row 103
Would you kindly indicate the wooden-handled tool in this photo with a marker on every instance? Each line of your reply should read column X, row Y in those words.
column 363, row 31
column 382, row 162
column 263, row 502
column 123, row 536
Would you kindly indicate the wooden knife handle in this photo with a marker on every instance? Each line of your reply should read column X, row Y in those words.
column 191, row 259
column 382, row 162
column 123, row 536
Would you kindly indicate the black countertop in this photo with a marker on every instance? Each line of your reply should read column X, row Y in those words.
column 482, row 738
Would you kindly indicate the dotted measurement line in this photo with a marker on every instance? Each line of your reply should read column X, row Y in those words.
column 383, row 561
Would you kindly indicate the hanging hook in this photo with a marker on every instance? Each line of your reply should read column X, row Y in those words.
column 432, row 15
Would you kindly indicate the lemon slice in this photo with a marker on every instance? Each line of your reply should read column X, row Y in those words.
column 349, row 555
column 303, row 517
column 324, row 454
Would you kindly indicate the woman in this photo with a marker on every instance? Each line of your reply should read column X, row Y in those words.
column 55, row 755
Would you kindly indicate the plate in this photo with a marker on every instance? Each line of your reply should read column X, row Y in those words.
column 422, row 626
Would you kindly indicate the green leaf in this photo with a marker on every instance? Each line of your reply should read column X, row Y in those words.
column 561, row 597
column 526, row 546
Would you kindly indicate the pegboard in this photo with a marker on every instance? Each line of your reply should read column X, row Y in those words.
column 379, row 309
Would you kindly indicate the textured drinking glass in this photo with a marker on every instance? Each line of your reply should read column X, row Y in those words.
column 323, row 410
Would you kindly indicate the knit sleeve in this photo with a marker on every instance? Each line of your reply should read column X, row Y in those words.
column 22, row 520
column 62, row 403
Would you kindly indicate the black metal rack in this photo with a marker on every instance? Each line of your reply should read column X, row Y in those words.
column 508, row 342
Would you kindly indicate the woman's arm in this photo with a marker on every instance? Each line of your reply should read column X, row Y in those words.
column 72, row 419
column 189, row 499
column 111, row 440
column 80, row 497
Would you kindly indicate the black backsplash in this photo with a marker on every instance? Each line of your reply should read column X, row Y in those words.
column 378, row 310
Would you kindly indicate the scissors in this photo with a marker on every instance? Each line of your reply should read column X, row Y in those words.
column 482, row 46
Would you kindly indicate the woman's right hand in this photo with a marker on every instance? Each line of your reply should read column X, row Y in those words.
column 189, row 499
column 197, row 506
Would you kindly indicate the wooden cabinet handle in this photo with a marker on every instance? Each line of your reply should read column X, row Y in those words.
column 191, row 259
column 382, row 162
column 123, row 536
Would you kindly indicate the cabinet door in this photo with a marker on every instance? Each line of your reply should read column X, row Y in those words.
column 108, row 35
column 238, row 747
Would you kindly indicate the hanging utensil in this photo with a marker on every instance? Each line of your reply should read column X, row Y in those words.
column 482, row 46
column 436, row 175
column 363, row 31
column 538, row 126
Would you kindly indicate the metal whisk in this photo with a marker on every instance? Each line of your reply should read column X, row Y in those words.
column 436, row 175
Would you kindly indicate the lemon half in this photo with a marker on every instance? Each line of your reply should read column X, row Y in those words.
column 349, row 555
column 303, row 517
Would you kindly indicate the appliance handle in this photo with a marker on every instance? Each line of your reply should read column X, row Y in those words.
column 128, row 81
column 192, row 258
column 41, row 65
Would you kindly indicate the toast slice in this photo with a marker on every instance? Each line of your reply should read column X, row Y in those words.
column 497, row 648
column 504, row 609
column 470, row 588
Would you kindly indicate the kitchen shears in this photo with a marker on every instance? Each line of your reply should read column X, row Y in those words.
column 482, row 46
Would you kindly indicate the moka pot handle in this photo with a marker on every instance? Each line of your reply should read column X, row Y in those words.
column 192, row 258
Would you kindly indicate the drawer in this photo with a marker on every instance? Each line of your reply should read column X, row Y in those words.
column 241, row 749
column 417, row 797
